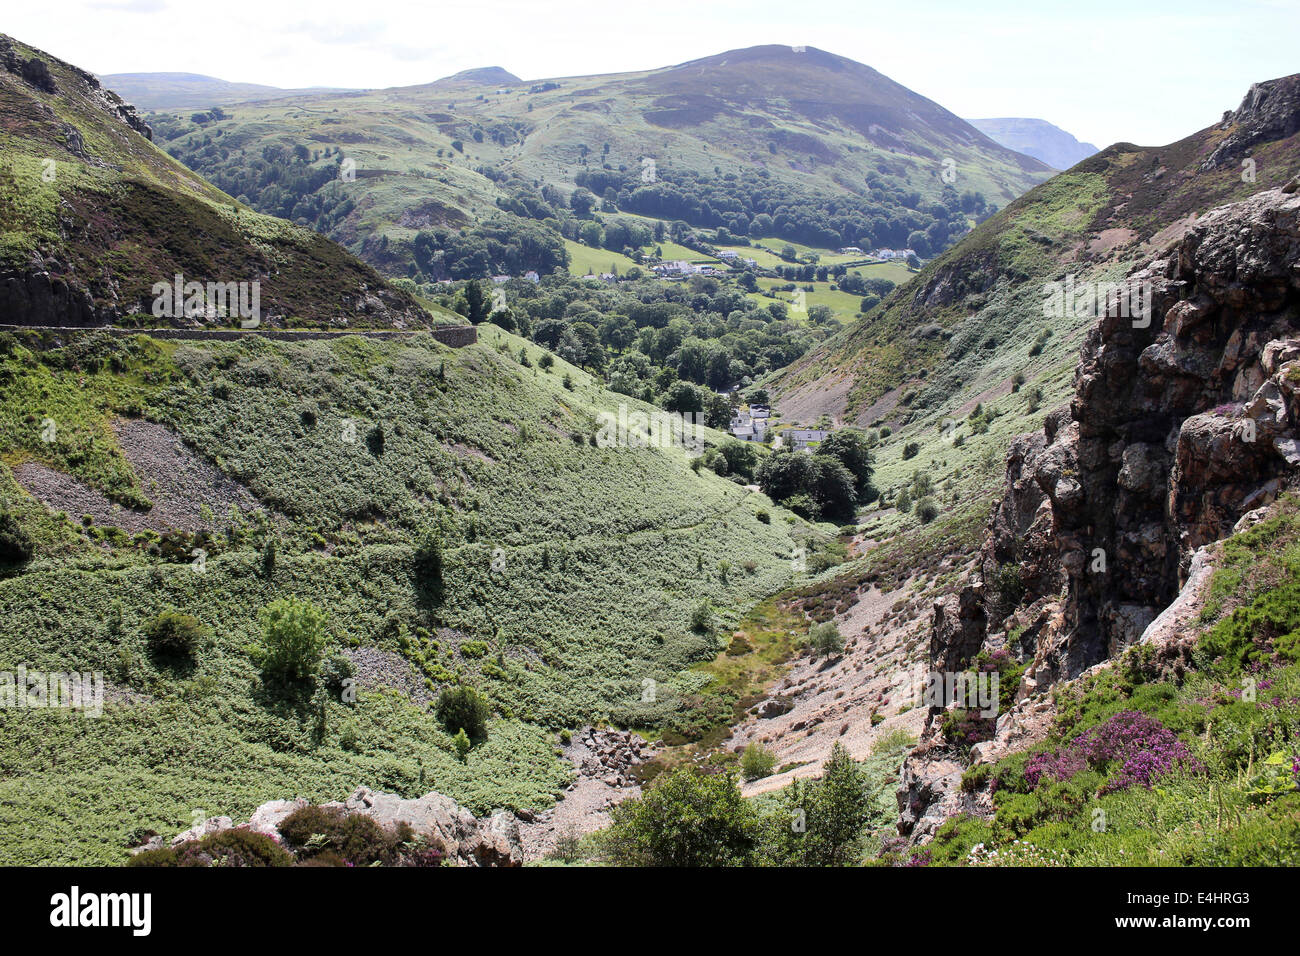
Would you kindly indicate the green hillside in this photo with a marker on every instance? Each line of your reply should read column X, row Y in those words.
column 92, row 215
column 570, row 574
column 826, row 151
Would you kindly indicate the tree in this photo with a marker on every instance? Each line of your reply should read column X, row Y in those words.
column 838, row 812
column 849, row 446
column 741, row 457
column 293, row 635
column 462, row 745
column 463, row 708
column 825, row 639
column 474, row 299
column 581, row 202
column 686, row 818
column 833, row 489
column 757, row 762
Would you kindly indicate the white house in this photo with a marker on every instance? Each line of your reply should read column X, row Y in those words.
column 804, row 438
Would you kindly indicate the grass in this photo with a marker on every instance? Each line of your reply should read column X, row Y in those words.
column 571, row 572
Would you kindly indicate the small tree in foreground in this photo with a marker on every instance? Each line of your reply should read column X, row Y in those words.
column 686, row 818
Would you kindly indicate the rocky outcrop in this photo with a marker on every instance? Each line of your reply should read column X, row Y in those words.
column 472, row 841
column 1270, row 112
column 1182, row 422
column 36, row 73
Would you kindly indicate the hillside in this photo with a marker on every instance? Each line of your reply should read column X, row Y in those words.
column 766, row 142
column 1037, row 138
column 94, row 214
column 974, row 317
column 182, row 91
column 570, row 574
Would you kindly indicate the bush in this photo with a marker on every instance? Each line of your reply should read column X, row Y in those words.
column 238, row 847
column 173, row 633
column 16, row 546
column 825, row 639
column 463, row 708
column 336, row 672
column 927, row 509
column 911, row 450
column 324, row 833
column 686, row 818
column 427, row 564
column 462, row 745
column 702, row 621
column 757, row 762
column 293, row 633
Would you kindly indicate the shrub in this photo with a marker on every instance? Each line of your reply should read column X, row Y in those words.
column 317, row 832
column 763, row 515
column 427, row 563
column 461, row 744
column 336, row 672
column 825, row 639
column 463, row 708
column 911, row 450
column 702, row 620
column 757, row 762
column 172, row 633
column 739, row 646
column 1140, row 747
column 686, row 818
column 927, row 509
column 16, row 545
column 238, row 847
column 293, row 633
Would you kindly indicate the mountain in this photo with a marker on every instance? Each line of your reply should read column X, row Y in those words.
column 95, row 215
column 482, row 76
column 188, row 91
column 974, row 317
column 828, row 152
column 1037, row 138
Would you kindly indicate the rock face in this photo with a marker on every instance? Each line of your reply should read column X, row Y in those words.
column 1270, row 111
column 471, row 841
column 1182, row 422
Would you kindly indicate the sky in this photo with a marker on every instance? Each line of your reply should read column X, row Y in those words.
column 1140, row 71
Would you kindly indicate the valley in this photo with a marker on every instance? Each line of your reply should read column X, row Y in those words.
column 400, row 550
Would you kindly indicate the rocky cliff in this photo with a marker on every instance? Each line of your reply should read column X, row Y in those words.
column 1181, row 422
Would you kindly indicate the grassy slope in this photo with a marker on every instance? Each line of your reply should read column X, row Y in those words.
column 115, row 214
column 604, row 555
column 403, row 184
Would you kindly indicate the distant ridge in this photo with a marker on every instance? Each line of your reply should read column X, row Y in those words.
column 1037, row 138
column 157, row 92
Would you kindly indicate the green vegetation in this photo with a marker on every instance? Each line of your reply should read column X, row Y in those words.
column 689, row 817
column 1179, row 756
column 394, row 547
